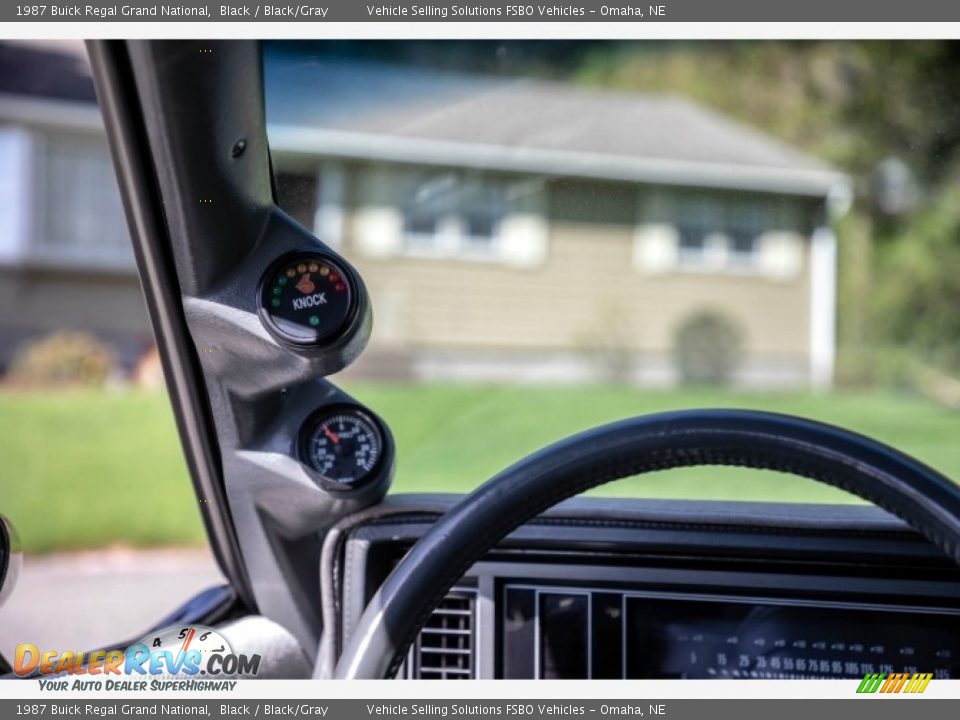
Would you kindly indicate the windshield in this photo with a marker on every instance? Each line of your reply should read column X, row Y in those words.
column 561, row 234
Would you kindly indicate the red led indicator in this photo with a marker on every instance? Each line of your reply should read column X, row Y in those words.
column 340, row 287
column 334, row 278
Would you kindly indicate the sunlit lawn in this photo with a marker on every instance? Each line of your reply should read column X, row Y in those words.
column 89, row 469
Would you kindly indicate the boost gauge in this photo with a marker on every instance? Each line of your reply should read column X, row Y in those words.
column 343, row 445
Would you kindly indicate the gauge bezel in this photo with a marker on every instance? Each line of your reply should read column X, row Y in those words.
column 354, row 287
column 313, row 421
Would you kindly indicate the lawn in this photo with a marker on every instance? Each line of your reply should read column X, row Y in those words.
column 89, row 469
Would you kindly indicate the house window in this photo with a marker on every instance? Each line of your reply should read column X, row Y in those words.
column 453, row 214
column 430, row 211
column 482, row 206
column 719, row 233
column 693, row 245
column 79, row 210
column 742, row 248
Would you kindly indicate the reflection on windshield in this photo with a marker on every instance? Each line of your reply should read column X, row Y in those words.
column 561, row 234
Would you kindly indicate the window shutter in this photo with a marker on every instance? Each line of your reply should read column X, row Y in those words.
column 781, row 255
column 524, row 231
column 656, row 239
column 15, row 185
column 378, row 220
column 328, row 219
column 655, row 247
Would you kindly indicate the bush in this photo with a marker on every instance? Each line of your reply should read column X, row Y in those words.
column 606, row 343
column 870, row 365
column 707, row 349
column 916, row 302
column 63, row 358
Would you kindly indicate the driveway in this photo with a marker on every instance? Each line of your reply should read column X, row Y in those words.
column 79, row 601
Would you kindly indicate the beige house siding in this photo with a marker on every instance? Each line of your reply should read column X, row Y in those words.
column 586, row 287
column 34, row 302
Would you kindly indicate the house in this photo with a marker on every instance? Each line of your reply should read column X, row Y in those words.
column 511, row 228
column 65, row 257
column 507, row 229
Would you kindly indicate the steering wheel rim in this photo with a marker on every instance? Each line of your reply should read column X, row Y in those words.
column 919, row 495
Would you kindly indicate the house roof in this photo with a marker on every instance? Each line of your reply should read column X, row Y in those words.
column 368, row 110
column 48, row 83
column 55, row 69
column 365, row 110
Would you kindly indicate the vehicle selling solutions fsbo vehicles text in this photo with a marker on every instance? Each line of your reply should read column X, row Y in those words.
column 512, row 11
column 444, row 11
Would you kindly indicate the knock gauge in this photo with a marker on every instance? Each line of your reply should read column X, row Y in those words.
column 308, row 299
column 343, row 445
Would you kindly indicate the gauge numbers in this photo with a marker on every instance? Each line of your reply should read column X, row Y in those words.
column 343, row 446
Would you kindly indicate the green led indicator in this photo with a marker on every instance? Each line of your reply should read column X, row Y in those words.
column 282, row 280
column 314, row 320
column 275, row 302
column 277, row 290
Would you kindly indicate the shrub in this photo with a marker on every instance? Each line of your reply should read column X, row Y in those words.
column 63, row 358
column 607, row 344
column 707, row 349
column 916, row 300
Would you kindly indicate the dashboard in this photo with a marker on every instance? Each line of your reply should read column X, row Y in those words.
column 655, row 589
column 557, row 632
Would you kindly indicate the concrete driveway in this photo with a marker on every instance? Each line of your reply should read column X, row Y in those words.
column 79, row 601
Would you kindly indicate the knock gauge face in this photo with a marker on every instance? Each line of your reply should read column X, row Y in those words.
column 343, row 445
column 307, row 299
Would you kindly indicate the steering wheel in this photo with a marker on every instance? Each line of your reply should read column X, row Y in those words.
column 926, row 500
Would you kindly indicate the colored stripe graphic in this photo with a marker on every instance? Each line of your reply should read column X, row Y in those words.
column 920, row 684
column 894, row 683
column 870, row 683
column 890, row 683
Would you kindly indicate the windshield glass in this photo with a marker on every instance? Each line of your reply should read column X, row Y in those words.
column 559, row 234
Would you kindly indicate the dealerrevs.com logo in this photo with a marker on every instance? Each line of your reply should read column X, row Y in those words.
column 180, row 657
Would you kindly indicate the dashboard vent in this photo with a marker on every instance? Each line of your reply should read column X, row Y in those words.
column 445, row 649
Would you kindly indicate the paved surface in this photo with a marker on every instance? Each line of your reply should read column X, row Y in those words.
column 79, row 601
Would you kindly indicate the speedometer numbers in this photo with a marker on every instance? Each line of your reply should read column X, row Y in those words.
column 342, row 446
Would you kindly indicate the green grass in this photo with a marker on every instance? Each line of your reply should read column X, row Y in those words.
column 91, row 469
column 451, row 438
column 84, row 469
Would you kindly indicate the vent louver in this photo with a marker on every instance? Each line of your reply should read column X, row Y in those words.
column 445, row 649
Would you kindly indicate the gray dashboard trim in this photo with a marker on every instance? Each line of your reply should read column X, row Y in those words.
column 853, row 517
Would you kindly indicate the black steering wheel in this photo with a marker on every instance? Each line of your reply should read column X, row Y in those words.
column 926, row 500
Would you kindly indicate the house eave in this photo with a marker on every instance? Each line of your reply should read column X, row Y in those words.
column 298, row 140
column 50, row 113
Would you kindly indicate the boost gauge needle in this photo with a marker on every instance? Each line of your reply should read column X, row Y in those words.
column 331, row 435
